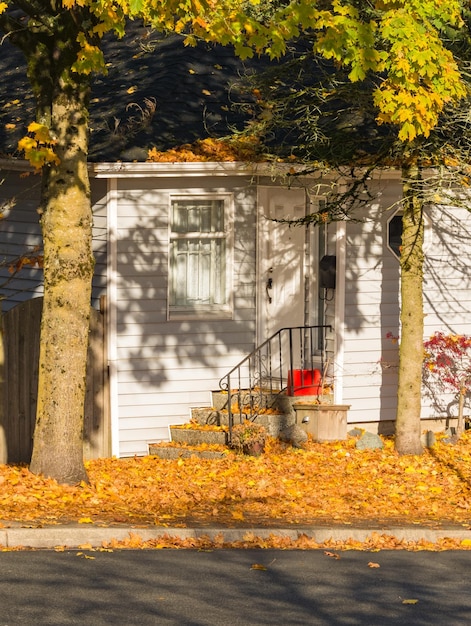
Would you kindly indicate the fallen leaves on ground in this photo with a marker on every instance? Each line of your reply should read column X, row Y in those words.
column 328, row 482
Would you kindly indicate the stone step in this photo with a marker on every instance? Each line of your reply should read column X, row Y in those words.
column 273, row 422
column 194, row 436
column 261, row 399
column 172, row 452
column 257, row 397
column 279, row 414
column 209, row 416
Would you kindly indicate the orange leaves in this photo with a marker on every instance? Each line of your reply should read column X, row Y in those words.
column 32, row 260
column 329, row 481
column 244, row 149
column 272, row 540
column 332, row 555
column 193, row 424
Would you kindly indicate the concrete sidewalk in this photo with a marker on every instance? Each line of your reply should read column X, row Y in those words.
column 76, row 535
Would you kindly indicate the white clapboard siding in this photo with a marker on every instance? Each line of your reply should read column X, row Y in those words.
column 174, row 395
column 447, row 297
column 164, row 366
column 141, row 371
column 372, row 304
column 20, row 233
column 158, row 413
column 146, row 389
column 141, row 423
column 371, row 311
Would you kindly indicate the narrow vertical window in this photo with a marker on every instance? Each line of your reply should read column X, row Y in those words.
column 198, row 251
column 395, row 234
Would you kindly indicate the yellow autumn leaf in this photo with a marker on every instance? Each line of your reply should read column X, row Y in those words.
column 410, row 601
column 27, row 143
column 258, row 566
column 132, row 89
column 85, row 520
column 85, row 556
column 332, row 555
column 41, row 132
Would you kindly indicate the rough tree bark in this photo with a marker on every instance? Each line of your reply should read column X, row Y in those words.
column 411, row 350
column 66, row 221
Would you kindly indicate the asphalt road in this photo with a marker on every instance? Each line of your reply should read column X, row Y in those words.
column 223, row 587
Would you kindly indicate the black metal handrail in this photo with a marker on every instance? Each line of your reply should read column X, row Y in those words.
column 254, row 383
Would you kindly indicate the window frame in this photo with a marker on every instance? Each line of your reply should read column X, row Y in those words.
column 203, row 311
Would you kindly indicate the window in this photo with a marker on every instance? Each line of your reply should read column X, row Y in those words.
column 198, row 282
column 395, row 234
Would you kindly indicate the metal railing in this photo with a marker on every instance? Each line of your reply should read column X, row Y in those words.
column 254, row 384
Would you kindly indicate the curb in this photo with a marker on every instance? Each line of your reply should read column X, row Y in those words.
column 75, row 536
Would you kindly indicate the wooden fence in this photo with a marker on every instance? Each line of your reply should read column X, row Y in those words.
column 19, row 384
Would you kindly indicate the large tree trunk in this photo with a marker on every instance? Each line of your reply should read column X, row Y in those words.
column 68, row 269
column 48, row 35
column 411, row 350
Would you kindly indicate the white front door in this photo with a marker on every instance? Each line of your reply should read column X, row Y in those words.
column 283, row 281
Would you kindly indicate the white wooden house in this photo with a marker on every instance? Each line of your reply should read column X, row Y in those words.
column 196, row 275
column 195, row 271
column 181, row 318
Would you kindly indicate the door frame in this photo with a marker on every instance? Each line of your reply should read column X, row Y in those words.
column 336, row 244
column 263, row 264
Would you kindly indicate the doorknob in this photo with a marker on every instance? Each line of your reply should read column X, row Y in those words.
column 269, row 286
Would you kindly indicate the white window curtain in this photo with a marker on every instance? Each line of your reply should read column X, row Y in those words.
column 197, row 254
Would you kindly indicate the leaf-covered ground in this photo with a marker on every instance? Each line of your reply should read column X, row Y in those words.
column 325, row 483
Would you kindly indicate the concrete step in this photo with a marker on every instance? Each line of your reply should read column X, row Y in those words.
column 194, row 436
column 264, row 399
column 274, row 411
column 172, row 452
column 259, row 398
column 273, row 421
column 209, row 416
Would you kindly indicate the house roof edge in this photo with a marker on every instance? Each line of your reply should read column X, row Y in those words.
column 123, row 169
column 215, row 168
column 172, row 169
